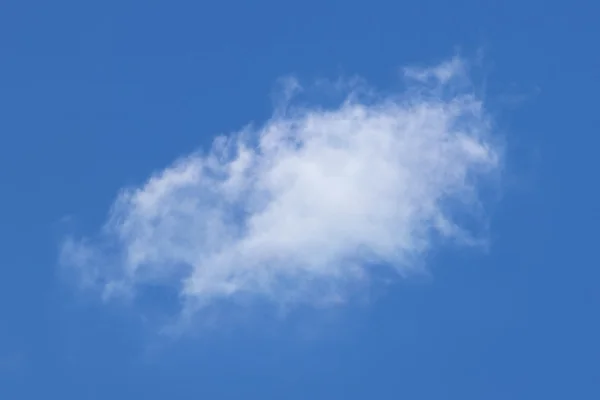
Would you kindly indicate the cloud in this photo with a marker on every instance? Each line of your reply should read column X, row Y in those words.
column 441, row 74
column 307, row 206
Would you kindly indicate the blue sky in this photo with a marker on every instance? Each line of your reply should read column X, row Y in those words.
column 432, row 235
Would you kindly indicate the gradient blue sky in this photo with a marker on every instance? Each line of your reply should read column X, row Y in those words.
column 95, row 97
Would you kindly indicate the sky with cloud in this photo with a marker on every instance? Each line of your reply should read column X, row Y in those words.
column 312, row 200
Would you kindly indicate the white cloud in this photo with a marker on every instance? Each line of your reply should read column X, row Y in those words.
column 442, row 73
column 301, row 208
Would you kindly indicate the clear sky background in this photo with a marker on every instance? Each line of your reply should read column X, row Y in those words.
column 96, row 96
